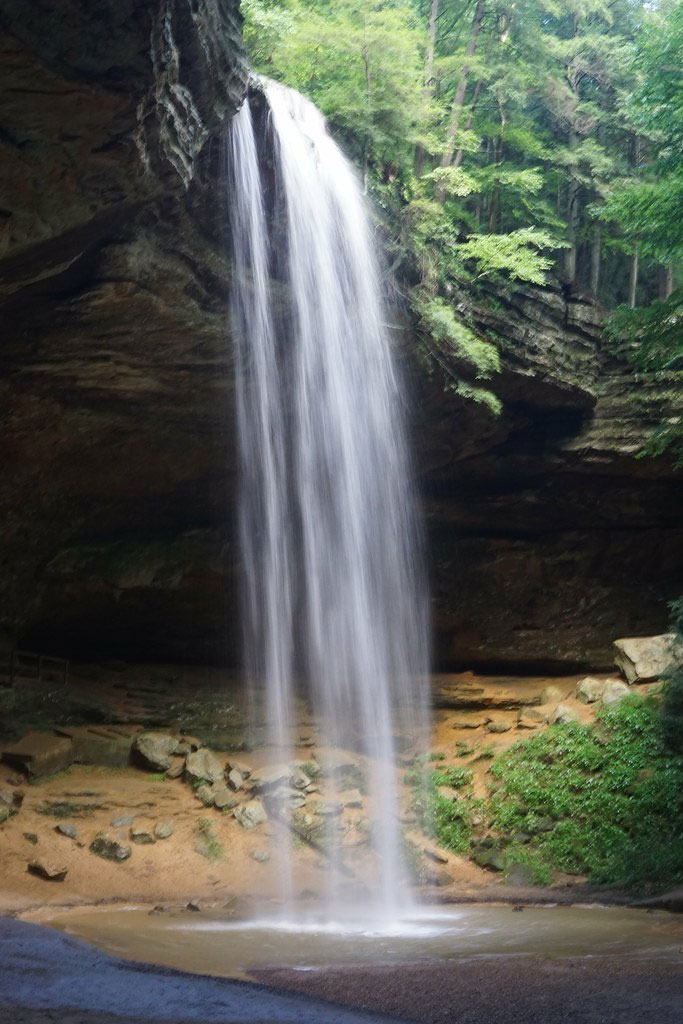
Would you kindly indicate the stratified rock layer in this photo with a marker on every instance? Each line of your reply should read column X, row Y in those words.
column 547, row 537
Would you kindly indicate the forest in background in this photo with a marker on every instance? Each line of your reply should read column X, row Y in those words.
column 505, row 143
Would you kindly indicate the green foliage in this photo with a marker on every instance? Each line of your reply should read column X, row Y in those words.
column 445, row 819
column 517, row 254
column 673, row 685
column 612, row 793
column 208, row 845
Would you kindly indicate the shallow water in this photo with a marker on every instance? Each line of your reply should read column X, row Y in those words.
column 208, row 943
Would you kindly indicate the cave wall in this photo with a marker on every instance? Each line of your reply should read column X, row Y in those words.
column 546, row 535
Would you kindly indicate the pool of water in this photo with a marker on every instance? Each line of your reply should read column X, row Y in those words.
column 208, row 943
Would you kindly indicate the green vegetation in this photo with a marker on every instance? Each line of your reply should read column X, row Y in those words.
column 502, row 143
column 208, row 845
column 602, row 800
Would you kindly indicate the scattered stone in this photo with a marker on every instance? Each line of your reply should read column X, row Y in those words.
column 260, row 856
column 272, row 778
column 238, row 766
column 11, row 800
column 521, row 837
column 124, row 822
column 108, row 846
column 40, row 753
column 31, row 838
column 296, row 800
column 47, row 871
column 206, row 795
column 544, row 825
column 195, row 905
column 435, row 855
column 550, row 695
column 163, row 908
column 436, row 876
column 235, row 779
column 492, row 858
column 562, row 715
column 530, row 718
column 642, row 659
column 203, row 766
column 615, row 692
column 251, row 814
column 142, row 836
column 164, row 830
column 4, row 814
column 177, row 768
column 223, row 799
column 499, row 726
column 65, row 829
column 299, row 779
column 153, row 750
column 519, row 874
column 354, row 798
column 329, row 808
column 468, row 724
column 589, row 690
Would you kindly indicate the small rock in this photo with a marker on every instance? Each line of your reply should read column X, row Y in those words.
column 251, row 814
column 67, row 830
column 467, row 724
column 31, row 838
column 562, row 715
column 50, row 872
column 163, row 908
column 544, row 825
column 206, row 795
column 142, row 836
column 125, row 822
column 644, row 658
column 589, row 690
column 164, row 830
column 203, row 766
column 223, row 799
column 436, row 876
column 492, row 858
column 195, row 905
column 153, row 750
column 519, row 874
column 272, row 778
column 235, row 779
column 240, row 767
column 434, row 855
column 260, row 856
column 12, row 799
column 177, row 768
column 530, row 718
column 299, row 780
column 106, row 845
column 354, row 798
column 499, row 726
column 615, row 692
column 550, row 695
column 4, row 813
column 329, row 808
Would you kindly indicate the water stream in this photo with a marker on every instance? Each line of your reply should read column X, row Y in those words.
column 334, row 605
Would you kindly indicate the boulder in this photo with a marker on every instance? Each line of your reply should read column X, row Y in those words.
column 492, row 858
column 10, row 800
column 223, row 799
column 531, row 718
column 177, row 768
column 65, row 829
column 615, row 692
column 550, row 694
column 353, row 798
column 206, row 795
column 251, row 814
column 589, row 690
column 164, row 830
column 49, row 872
column 260, row 856
column 519, row 874
column 153, row 750
column 108, row 846
column 203, row 766
column 563, row 714
column 235, row 779
column 642, row 659
column 499, row 726
column 142, row 836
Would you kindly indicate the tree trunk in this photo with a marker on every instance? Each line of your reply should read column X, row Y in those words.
column 572, row 219
column 666, row 280
column 595, row 263
column 633, row 280
column 470, row 118
column 418, row 165
column 459, row 98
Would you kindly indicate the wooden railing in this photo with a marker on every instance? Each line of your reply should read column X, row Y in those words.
column 26, row 665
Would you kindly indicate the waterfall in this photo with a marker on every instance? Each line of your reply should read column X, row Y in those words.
column 334, row 605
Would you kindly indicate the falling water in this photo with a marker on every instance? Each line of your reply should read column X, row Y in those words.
column 334, row 606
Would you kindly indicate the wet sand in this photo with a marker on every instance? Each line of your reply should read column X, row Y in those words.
column 512, row 990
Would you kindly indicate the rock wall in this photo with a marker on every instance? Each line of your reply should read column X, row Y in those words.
column 547, row 537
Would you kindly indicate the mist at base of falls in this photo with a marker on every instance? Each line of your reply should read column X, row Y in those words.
column 334, row 601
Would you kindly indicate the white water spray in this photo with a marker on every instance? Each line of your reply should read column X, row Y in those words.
column 335, row 606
